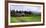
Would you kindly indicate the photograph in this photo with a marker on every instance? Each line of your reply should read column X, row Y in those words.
column 23, row 14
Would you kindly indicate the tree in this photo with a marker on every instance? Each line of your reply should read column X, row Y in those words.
column 12, row 12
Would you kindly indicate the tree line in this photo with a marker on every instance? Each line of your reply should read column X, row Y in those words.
column 20, row 13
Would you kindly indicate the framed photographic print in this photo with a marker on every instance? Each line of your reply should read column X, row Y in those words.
column 24, row 13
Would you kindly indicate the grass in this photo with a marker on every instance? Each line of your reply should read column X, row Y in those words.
column 26, row 19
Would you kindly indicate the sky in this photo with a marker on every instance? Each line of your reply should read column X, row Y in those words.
column 25, row 7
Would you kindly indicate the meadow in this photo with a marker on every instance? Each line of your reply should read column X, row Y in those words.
column 30, row 18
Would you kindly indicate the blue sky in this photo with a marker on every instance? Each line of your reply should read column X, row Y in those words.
column 25, row 8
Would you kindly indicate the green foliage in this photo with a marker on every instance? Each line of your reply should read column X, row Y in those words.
column 30, row 18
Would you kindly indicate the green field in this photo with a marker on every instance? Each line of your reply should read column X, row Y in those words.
column 26, row 19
